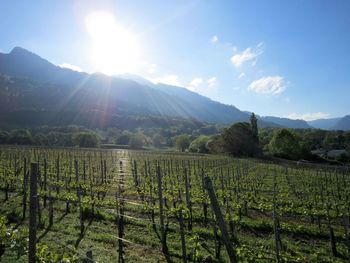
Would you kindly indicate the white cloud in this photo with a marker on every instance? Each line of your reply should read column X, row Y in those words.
column 203, row 86
column 211, row 82
column 170, row 79
column 214, row 39
column 270, row 85
column 241, row 75
column 247, row 55
column 70, row 66
column 308, row 116
column 196, row 82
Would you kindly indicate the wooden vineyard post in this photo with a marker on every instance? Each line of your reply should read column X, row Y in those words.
column 333, row 243
column 25, row 184
column 216, row 208
column 136, row 180
column 182, row 231
column 204, row 203
column 58, row 175
column 7, row 186
column 161, row 212
column 275, row 221
column 120, row 214
column 105, row 171
column 84, row 173
column 50, row 209
column 79, row 198
column 102, row 174
column 32, row 212
column 183, row 239
column 45, row 182
column 188, row 199
column 89, row 258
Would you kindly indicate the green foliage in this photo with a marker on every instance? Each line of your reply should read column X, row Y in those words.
column 44, row 254
column 334, row 140
column 21, row 136
column 254, row 127
column 199, row 145
column 87, row 139
column 239, row 140
column 157, row 140
column 40, row 139
column 123, row 139
column 137, row 141
column 182, row 142
column 3, row 137
column 216, row 144
column 285, row 144
column 312, row 139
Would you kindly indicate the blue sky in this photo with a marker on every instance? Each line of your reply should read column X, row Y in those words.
column 281, row 58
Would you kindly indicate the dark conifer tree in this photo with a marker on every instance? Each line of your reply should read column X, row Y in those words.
column 254, row 126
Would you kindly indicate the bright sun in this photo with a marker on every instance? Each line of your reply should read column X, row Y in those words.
column 115, row 50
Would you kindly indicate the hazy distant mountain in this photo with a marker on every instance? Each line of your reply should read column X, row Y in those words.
column 285, row 122
column 38, row 87
column 342, row 124
column 205, row 108
column 325, row 124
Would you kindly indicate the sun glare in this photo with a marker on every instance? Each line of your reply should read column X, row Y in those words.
column 115, row 50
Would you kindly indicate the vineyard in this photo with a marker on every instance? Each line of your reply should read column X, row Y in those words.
column 78, row 205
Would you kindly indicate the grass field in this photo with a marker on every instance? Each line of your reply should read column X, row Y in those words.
column 286, row 213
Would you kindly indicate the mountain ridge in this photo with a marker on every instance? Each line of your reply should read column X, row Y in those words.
column 128, row 94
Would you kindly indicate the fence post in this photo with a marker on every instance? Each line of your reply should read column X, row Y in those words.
column 89, row 258
column 79, row 198
column 121, row 214
column 188, row 198
column 215, row 205
column 45, row 181
column 32, row 211
column 275, row 220
column 25, row 184
column 161, row 212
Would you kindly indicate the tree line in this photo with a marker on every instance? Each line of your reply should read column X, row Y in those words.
column 239, row 139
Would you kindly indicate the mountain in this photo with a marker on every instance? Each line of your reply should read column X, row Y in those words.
column 25, row 64
column 324, row 124
column 40, row 85
column 342, row 124
column 285, row 122
column 38, row 92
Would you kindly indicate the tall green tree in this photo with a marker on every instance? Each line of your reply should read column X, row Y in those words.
column 254, row 127
column 182, row 142
column 239, row 140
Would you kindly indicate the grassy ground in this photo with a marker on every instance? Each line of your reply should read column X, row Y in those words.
column 302, row 240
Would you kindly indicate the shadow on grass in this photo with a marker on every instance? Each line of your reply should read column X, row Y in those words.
column 62, row 217
column 44, row 233
column 82, row 235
